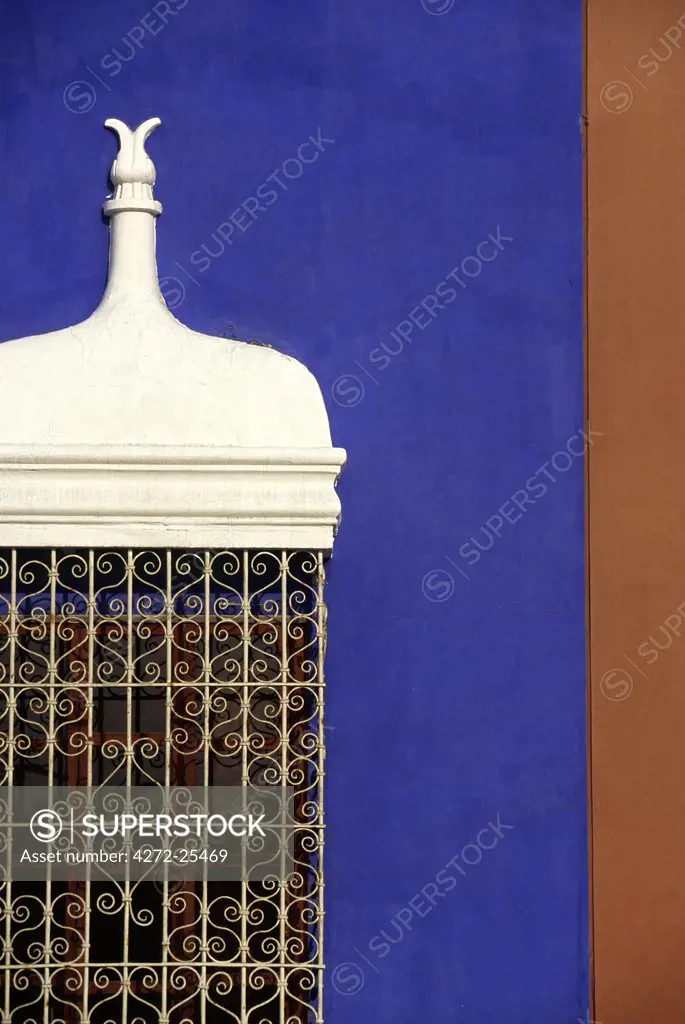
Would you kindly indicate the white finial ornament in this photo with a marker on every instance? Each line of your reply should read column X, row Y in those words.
column 133, row 172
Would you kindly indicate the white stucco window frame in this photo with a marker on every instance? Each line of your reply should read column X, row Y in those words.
column 140, row 459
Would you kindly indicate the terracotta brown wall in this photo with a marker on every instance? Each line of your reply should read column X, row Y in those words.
column 636, row 379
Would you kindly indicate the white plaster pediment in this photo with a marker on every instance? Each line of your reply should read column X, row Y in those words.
column 138, row 376
column 130, row 425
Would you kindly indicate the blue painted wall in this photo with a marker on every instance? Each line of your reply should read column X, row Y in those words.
column 456, row 666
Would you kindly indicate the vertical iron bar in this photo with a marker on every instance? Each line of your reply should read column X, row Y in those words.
column 52, row 669
column 282, row 910
column 90, row 697
column 245, row 779
column 129, row 775
column 320, row 691
column 10, row 778
column 205, row 777
column 168, row 699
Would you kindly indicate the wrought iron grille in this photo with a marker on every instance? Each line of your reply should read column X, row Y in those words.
column 164, row 668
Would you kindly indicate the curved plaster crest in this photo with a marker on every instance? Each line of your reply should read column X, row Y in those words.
column 130, row 428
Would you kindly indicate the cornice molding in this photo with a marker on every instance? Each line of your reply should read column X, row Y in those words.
column 128, row 497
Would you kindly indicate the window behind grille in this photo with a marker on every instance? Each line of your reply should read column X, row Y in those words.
column 150, row 668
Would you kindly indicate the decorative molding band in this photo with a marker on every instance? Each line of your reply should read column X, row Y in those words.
column 169, row 497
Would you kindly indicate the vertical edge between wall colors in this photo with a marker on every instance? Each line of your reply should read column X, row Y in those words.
column 588, row 593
